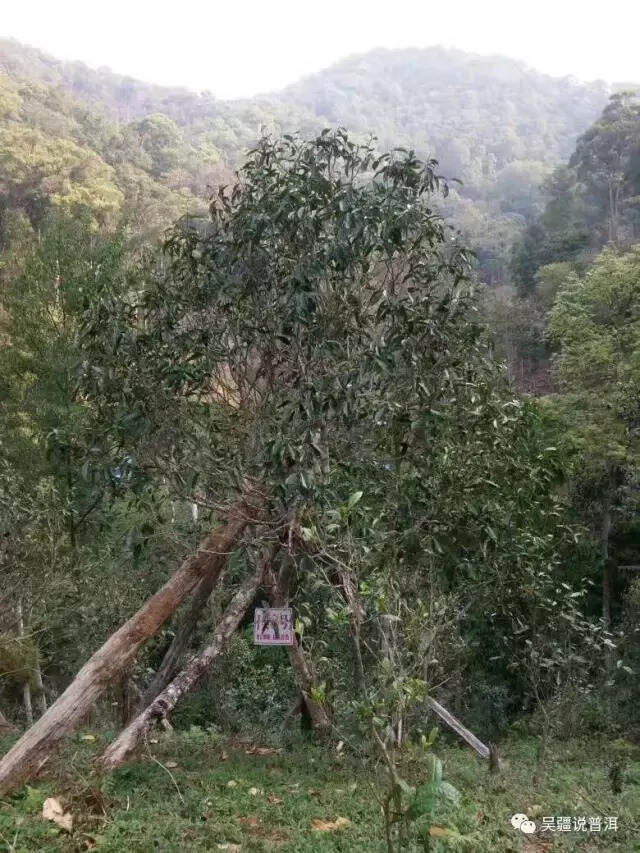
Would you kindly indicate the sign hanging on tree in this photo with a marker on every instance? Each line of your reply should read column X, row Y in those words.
column 273, row 626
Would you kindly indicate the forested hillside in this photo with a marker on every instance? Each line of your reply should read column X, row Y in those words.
column 493, row 124
column 474, row 114
column 576, row 269
column 283, row 463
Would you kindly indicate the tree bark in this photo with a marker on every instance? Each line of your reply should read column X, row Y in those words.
column 41, row 696
column 494, row 759
column 455, row 724
column 128, row 697
column 182, row 639
column 613, row 229
column 129, row 740
column 320, row 720
column 607, row 569
column 26, row 702
column 114, row 656
column 26, row 686
column 605, row 532
column 355, row 623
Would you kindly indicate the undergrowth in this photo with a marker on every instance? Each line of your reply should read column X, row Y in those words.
column 194, row 791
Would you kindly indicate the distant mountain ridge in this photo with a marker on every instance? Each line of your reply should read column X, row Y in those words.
column 432, row 98
column 490, row 121
column 410, row 96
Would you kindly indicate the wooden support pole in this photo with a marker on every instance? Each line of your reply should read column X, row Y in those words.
column 181, row 640
column 23, row 760
column 130, row 739
column 482, row 750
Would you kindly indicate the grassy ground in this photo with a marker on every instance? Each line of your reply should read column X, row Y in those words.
column 201, row 793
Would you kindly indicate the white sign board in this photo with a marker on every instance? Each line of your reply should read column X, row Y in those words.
column 273, row 626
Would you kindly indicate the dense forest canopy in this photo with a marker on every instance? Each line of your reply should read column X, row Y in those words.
column 493, row 124
column 474, row 114
column 366, row 348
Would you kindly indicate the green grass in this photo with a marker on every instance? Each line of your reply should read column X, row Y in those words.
column 273, row 799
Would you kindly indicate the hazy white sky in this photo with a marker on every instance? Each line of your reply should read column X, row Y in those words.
column 242, row 47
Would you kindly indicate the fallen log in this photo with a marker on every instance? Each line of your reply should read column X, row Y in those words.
column 29, row 753
column 455, row 724
column 130, row 739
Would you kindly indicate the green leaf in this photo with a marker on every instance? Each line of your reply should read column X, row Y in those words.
column 424, row 802
column 435, row 769
column 354, row 499
column 448, row 792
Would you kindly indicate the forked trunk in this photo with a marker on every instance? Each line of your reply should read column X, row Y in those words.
column 135, row 733
column 181, row 641
column 35, row 746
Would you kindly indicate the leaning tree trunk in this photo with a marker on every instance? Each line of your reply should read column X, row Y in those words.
column 320, row 720
column 181, row 641
column 35, row 746
column 129, row 740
